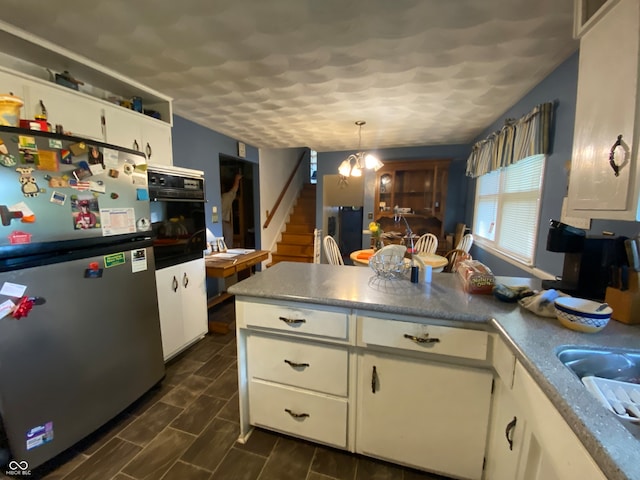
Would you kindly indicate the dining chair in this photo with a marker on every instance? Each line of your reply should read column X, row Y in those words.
column 332, row 251
column 427, row 243
column 453, row 256
column 465, row 243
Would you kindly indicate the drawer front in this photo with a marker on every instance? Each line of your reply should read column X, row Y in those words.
column 456, row 342
column 301, row 364
column 293, row 319
column 309, row 415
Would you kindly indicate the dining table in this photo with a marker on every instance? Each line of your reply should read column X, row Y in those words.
column 437, row 262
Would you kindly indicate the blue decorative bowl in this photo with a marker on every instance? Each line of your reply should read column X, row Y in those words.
column 582, row 315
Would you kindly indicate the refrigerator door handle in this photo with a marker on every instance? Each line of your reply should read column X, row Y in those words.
column 185, row 280
column 174, row 284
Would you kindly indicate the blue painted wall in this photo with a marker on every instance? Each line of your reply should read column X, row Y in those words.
column 198, row 147
column 559, row 86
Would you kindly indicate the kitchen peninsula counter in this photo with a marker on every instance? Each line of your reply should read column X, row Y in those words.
column 534, row 340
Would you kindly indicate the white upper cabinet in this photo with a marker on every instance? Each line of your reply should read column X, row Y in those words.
column 587, row 13
column 604, row 180
column 79, row 114
column 130, row 129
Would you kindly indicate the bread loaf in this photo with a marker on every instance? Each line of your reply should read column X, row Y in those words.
column 476, row 277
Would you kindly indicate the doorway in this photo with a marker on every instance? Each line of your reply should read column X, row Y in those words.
column 243, row 209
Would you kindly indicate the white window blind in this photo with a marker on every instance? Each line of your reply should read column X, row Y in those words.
column 507, row 208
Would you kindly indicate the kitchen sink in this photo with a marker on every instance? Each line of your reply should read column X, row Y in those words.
column 612, row 364
column 612, row 376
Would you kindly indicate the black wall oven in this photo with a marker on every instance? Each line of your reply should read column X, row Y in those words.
column 177, row 198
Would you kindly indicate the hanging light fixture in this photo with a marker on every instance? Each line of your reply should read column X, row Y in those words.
column 354, row 164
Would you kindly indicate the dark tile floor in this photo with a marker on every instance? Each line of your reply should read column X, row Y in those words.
column 186, row 429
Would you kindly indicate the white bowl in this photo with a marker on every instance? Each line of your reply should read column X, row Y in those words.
column 389, row 262
column 582, row 315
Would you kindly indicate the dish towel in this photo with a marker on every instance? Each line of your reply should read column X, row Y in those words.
column 542, row 303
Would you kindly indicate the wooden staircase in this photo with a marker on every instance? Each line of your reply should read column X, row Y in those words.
column 296, row 244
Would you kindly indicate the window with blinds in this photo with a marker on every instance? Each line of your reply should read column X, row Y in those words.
column 507, row 208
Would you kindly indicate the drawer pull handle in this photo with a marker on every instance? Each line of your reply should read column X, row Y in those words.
column 174, row 284
column 374, row 379
column 425, row 339
column 292, row 321
column 296, row 415
column 509, row 431
column 296, row 365
column 185, row 280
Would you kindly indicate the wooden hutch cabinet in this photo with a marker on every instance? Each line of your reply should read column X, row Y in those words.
column 419, row 189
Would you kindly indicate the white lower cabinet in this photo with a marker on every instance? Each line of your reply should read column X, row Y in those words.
column 506, row 434
column 529, row 440
column 422, row 413
column 418, row 394
column 298, row 387
column 182, row 301
column 299, row 412
column 550, row 450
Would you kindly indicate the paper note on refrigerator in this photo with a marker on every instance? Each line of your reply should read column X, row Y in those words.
column 116, row 221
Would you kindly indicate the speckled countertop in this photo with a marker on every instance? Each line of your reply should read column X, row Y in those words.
column 535, row 340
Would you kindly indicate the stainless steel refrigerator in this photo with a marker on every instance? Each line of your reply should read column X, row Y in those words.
column 79, row 323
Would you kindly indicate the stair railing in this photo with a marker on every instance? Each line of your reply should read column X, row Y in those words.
column 317, row 241
column 272, row 212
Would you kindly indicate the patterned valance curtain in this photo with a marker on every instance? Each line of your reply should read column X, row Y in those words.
column 518, row 139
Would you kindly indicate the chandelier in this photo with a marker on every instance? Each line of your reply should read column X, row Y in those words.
column 354, row 164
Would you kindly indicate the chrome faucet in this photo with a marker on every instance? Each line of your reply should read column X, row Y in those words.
column 396, row 218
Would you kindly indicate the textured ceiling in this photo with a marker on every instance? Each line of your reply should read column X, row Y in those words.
column 291, row 73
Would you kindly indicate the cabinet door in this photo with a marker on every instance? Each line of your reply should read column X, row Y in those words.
column 506, row 434
column 77, row 113
column 608, row 56
column 194, row 299
column 423, row 414
column 134, row 130
column 170, row 306
column 122, row 127
column 156, row 141
column 551, row 450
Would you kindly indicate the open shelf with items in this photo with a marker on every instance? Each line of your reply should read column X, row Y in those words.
column 37, row 59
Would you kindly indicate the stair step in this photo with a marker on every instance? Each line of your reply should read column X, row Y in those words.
column 297, row 238
column 301, row 218
column 293, row 249
column 296, row 244
column 299, row 228
column 276, row 257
